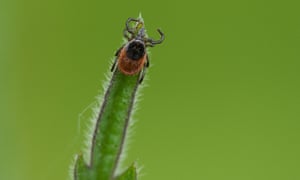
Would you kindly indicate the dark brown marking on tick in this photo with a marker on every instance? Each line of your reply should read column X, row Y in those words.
column 135, row 50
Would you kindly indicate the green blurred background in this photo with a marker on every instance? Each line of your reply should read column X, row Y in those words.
column 222, row 101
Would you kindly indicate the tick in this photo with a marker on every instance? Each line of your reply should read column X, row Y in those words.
column 132, row 57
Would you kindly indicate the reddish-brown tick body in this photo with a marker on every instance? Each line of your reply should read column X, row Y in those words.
column 132, row 57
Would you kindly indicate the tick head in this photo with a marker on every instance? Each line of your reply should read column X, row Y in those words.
column 135, row 50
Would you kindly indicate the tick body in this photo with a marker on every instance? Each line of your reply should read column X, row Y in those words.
column 132, row 57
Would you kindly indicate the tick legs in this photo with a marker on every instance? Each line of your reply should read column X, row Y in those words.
column 146, row 65
column 147, row 61
column 125, row 34
column 114, row 65
column 116, row 59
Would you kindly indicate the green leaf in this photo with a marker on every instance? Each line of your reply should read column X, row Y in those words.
column 129, row 174
column 81, row 170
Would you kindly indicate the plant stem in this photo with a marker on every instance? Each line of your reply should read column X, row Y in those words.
column 110, row 130
column 113, row 119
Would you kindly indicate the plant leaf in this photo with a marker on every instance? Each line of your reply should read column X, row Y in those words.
column 128, row 174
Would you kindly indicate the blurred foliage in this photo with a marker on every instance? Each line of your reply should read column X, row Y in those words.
column 223, row 100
